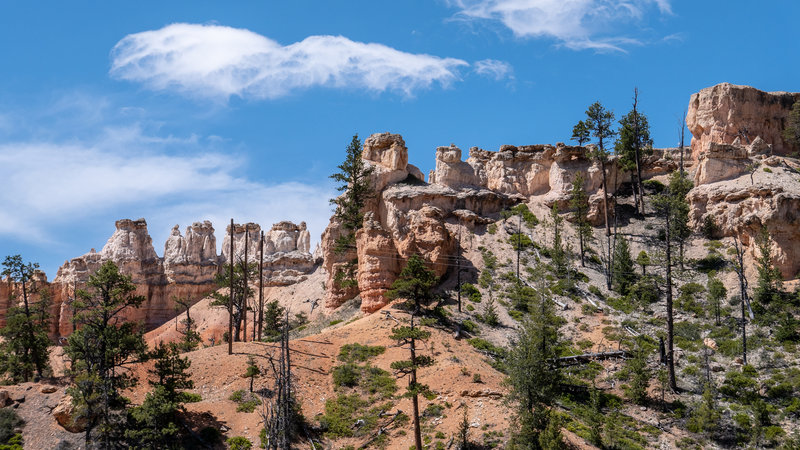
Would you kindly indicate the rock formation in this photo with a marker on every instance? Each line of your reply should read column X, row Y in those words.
column 405, row 217
column 408, row 216
column 725, row 112
column 188, row 268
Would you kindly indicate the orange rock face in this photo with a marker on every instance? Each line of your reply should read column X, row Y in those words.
column 725, row 112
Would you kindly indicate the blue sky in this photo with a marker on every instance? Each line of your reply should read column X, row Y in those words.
column 184, row 111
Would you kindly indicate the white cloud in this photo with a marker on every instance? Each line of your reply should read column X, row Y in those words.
column 218, row 62
column 577, row 24
column 50, row 185
column 492, row 68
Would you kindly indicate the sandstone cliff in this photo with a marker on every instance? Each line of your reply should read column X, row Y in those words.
column 187, row 269
column 725, row 112
column 409, row 216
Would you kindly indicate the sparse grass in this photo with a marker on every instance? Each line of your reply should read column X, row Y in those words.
column 357, row 352
column 247, row 401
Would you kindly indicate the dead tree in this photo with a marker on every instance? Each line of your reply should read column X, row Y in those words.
column 230, row 302
column 279, row 418
column 260, row 284
column 738, row 266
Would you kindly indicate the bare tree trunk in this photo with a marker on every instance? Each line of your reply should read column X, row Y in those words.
column 412, row 383
column 260, row 285
column 739, row 266
column 246, row 286
column 637, row 150
column 670, row 320
column 608, row 225
column 230, row 300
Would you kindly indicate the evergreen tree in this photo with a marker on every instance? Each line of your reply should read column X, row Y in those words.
column 558, row 254
column 463, row 429
column 23, row 351
column 354, row 183
column 769, row 286
column 155, row 423
column 489, row 316
column 99, row 349
column 643, row 260
column 624, row 274
column 273, row 318
column 705, row 417
column 191, row 338
column 679, row 186
column 533, row 377
column 580, row 133
column 408, row 337
column 580, row 205
column 716, row 293
column 671, row 206
column 599, row 120
column 252, row 371
column 791, row 132
column 415, row 283
column 241, row 291
column 633, row 143
column 640, row 373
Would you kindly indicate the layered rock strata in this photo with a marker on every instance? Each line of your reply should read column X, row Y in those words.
column 725, row 112
column 405, row 217
column 187, row 269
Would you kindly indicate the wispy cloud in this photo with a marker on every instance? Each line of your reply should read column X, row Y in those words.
column 218, row 62
column 494, row 69
column 577, row 24
column 130, row 172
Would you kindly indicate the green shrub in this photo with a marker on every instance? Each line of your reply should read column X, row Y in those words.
column 247, row 401
column 492, row 228
column 9, row 424
column 483, row 344
column 239, row 443
column 335, row 322
column 237, row 396
column 520, row 239
column 346, row 375
column 470, row 327
column 472, row 292
column 767, row 169
column 378, row 381
column 521, row 209
column 357, row 352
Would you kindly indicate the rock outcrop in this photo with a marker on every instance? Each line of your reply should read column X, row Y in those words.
column 725, row 194
column 725, row 112
column 187, row 270
column 406, row 217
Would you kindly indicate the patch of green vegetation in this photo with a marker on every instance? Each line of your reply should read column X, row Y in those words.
column 484, row 345
column 357, row 352
column 767, row 169
column 335, row 322
column 521, row 209
column 470, row 327
column 472, row 292
column 520, row 240
column 247, row 401
column 622, row 304
column 492, row 228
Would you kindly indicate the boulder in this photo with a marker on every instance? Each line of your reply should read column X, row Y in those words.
column 64, row 413
column 721, row 162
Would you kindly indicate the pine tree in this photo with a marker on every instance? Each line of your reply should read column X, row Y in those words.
column 769, row 285
column 640, row 373
column 716, row 293
column 252, row 371
column 671, row 206
column 558, row 255
column 408, row 337
column 580, row 133
column 23, row 351
column 633, row 143
column 623, row 270
column 273, row 318
column 155, row 423
column 191, row 338
column 599, row 120
column 415, row 283
column 791, row 132
column 533, row 377
column 354, row 181
column 643, row 260
column 241, row 291
column 99, row 349
column 580, row 204
column 463, row 429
